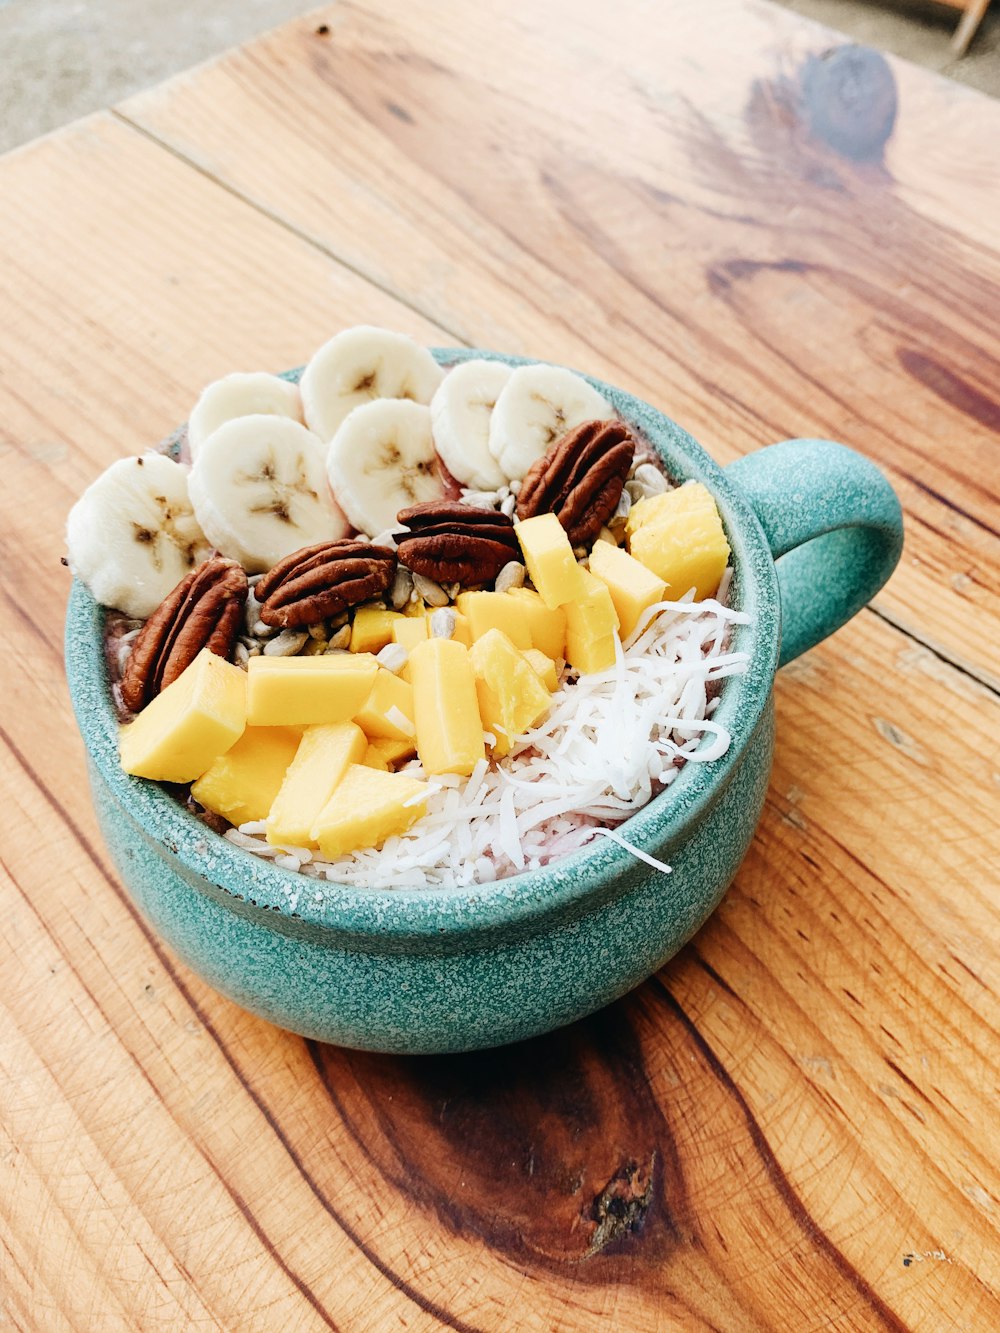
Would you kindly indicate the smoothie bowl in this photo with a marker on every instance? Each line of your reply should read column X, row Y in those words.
column 397, row 918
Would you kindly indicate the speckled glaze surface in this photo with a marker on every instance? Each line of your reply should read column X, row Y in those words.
column 448, row 970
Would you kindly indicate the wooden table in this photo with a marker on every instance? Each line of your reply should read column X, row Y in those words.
column 795, row 1124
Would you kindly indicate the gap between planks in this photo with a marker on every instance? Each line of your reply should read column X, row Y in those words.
column 966, row 668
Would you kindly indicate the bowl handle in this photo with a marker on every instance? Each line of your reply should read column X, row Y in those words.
column 835, row 530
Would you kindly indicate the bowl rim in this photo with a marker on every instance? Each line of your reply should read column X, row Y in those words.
column 521, row 900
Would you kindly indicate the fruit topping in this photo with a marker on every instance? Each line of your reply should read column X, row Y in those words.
column 460, row 413
column 133, row 534
column 186, row 727
column 536, row 407
column 511, row 696
column 550, row 560
column 258, row 485
column 366, row 808
column 381, row 460
column 358, row 366
column 632, row 586
column 241, row 395
column 297, row 691
column 679, row 536
column 449, row 728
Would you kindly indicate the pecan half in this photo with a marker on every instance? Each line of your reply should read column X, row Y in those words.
column 453, row 542
column 323, row 580
column 203, row 611
column 580, row 479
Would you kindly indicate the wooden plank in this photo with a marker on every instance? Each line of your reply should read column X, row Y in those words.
column 792, row 1118
column 720, row 216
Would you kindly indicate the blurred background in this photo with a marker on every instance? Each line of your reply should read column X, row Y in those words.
column 60, row 59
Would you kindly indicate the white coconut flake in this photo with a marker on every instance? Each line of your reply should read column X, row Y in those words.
column 399, row 719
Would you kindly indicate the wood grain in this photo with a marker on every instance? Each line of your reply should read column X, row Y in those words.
column 792, row 1125
column 761, row 229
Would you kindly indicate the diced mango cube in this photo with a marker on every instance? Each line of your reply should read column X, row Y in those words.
column 449, row 728
column 324, row 755
column 375, row 759
column 679, row 536
column 394, row 752
column 199, row 716
column 543, row 667
column 371, row 628
column 416, row 606
column 300, row 691
column 633, row 587
column 591, row 622
column 549, row 559
column 388, row 710
column 494, row 610
column 409, row 631
column 242, row 783
column 366, row 808
column 546, row 627
column 511, row 696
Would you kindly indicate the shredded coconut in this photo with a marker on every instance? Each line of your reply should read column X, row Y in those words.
column 611, row 741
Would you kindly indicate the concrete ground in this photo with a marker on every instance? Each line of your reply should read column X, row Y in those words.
column 60, row 59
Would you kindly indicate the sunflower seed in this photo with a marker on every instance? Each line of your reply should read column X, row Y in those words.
column 511, row 576
column 287, row 644
column 402, row 586
column 651, row 478
column 432, row 593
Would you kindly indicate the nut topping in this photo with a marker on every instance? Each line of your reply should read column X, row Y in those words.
column 205, row 610
column 321, row 581
column 580, row 479
column 452, row 542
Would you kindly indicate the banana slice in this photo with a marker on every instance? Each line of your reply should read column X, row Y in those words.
column 460, row 415
column 381, row 460
column 241, row 395
column 132, row 535
column 358, row 365
column 259, row 490
column 539, row 404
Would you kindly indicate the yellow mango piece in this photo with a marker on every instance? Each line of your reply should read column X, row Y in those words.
column 300, row 691
column 494, row 610
column 371, row 629
column 415, row 607
column 199, row 716
column 367, row 807
column 394, row 752
column 546, row 627
column 375, row 759
column 591, row 622
column 549, row 559
column 679, row 536
column 409, row 631
column 543, row 667
column 388, row 710
column 511, row 696
column 445, row 708
column 325, row 753
column 242, row 783
column 633, row 587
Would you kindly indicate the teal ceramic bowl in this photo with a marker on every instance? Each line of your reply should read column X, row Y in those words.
column 815, row 531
